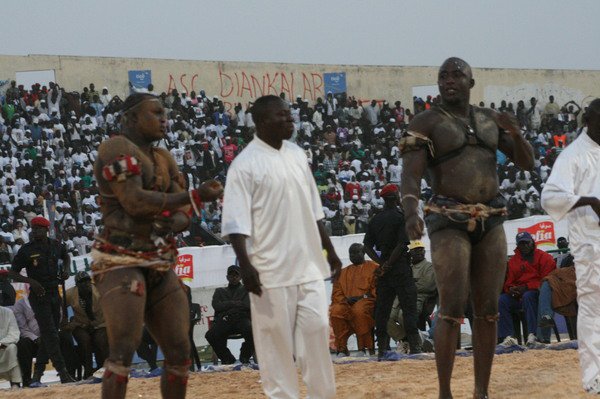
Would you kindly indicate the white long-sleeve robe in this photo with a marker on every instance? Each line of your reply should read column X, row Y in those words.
column 576, row 174
column 9, row 336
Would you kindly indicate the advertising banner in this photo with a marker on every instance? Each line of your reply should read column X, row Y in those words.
column 335, row 82
column 140, row 79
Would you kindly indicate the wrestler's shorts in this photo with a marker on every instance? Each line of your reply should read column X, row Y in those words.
column 460, row 221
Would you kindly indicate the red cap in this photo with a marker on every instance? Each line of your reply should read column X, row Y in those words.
column 3, row 272
column 40, row 221
column 388, row 189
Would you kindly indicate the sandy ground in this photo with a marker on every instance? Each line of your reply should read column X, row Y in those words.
column 531, row 374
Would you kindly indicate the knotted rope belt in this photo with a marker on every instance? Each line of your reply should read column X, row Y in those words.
column 474, row 213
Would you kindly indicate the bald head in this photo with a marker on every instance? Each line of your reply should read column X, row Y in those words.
column 455, row 81
column 357, row 253
column 457, row 63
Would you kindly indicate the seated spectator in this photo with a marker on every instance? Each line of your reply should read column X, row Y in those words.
column 526, row 269
column 29, row 341
column 232, row 316
column 87, row 325
column 558, row 292
column 7, row 292
column 425, row 281
column 563, row 251
column 9, row 336
column 353, row 302
column 5, row 251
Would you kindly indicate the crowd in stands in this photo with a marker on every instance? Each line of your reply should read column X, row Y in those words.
column 50, row 136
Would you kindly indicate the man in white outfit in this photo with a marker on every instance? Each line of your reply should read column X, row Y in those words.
column 9, row 336
column 272, row 215
column 573, row 190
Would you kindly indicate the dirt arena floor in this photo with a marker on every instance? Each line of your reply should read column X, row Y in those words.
column 531, row 374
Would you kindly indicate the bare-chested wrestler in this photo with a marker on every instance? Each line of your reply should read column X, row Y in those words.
column 457, row 143
column 144, row 201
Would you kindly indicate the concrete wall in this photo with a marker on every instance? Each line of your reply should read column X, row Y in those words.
column 242, row 81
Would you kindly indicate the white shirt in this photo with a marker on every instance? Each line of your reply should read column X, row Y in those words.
column 80, row 243
column 271, row 197
column 178, row 155
column 395, row 173
column 575, row 175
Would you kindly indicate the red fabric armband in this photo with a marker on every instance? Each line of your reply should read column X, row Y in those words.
column 121, row 168
column 196, row 202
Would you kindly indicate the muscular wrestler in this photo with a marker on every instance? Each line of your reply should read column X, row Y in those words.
column 457, row 143
column 143, row 203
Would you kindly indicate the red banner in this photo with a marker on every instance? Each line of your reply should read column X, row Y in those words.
column 542, row 233
column 185, row 267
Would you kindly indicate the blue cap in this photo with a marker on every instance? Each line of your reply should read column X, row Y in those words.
column 524, row 236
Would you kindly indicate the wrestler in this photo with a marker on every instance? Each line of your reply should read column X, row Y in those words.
column 457, row 143
column 144, row 201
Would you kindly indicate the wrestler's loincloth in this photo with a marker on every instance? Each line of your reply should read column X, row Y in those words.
column 116, row 250
column 155, row 265
column 474, row 219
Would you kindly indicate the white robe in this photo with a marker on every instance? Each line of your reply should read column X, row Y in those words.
column 9, row 336
column 575, row 175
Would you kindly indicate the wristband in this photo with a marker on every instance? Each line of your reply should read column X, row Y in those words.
column 196, row 201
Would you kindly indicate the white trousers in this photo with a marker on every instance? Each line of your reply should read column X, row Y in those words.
column 587, row 268
column 10, row 364
column 290, row 322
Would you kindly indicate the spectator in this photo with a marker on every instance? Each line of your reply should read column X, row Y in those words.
column 230, row 150
column 552, row 109
column 558, row 292
column 5, row 251
column 372, row 113
column 7, row 292
column 232, row 316
column 87, row 325
column 9, row 336
column 563, row 250
column 353, row 303
column 424, row 279
column 534, row 115
column 526, row 269
column 29, row 343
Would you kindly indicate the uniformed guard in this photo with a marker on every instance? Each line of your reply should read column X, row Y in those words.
column 42, row 259
column 386, row 233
